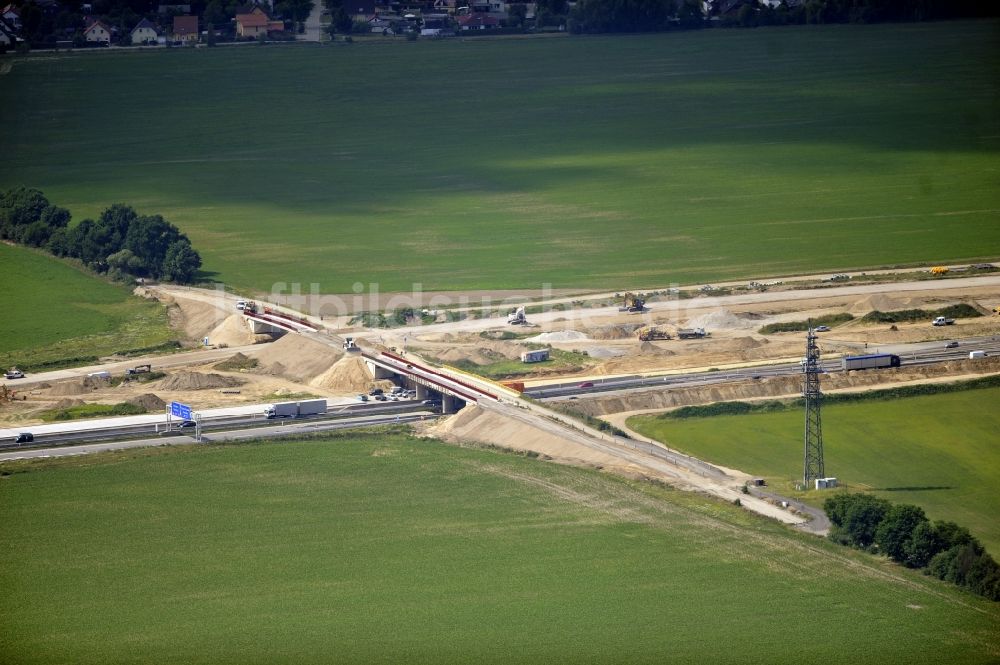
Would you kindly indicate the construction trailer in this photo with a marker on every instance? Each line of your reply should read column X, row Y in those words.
column 536, row 356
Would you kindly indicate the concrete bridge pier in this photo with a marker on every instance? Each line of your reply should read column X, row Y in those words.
column 421, row 391
column 379, row 372
column 451, row 404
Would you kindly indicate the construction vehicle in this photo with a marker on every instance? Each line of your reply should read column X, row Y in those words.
column 692, row 333
column 350, row 346
column 138, row 369
column 651, row 334
column 13, row 373
column 633, row 304
column 517, row 318
column 939, row 270
column 942, row 321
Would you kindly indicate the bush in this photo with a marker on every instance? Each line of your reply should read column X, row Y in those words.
column 799, row 326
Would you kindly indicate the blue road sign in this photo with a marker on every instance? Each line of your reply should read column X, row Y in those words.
column 180, row 410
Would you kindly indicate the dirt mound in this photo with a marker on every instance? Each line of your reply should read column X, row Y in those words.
column 650, row 349
column 297, row 358
column 604, row 352
column 475, row 355
column 623, row 331
column 77, row 386
column 231, row 332
column 236, row 363
column 478, row 425
column 149, row 401
column 349, row 374
column 196, row 318
column 744, row 343
column 879, row 301
column 198, row 381
column 723, row 319
column 560, row 336
column 67, row 403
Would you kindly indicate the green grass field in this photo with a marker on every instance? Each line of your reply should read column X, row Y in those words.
column 938, row 451
column 581, row 162
column 53, row 312
column 383, row 548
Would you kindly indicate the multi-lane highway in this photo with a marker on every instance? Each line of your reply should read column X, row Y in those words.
column 910, row 354
column 247, row 418
column 274, row 430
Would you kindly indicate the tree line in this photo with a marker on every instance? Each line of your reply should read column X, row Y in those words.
column 902, row 532
column 659, row 15
column 120, row 243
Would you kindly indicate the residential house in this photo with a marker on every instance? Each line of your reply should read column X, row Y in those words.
column 381, row 25
column 256, row 22
column 185, row 29
column 12, row 15
column 478, row 21
column 360, row 10
column 144, row 32
column 496, row 7
column 97, row 33
column 8, row 33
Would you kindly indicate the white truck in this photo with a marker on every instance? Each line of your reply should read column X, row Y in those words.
column 942, row 321
column 692, row 333
column 295, row 409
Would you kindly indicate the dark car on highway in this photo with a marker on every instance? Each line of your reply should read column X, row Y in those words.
column 24, row 437
column 586, row 384
column 951, row 345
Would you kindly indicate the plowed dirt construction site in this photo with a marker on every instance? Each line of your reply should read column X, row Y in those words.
column 588, row 342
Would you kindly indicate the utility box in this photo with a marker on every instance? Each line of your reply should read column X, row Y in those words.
column 826, row 483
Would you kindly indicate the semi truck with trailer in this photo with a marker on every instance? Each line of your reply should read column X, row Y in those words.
column 295, row 409
column 871, row 361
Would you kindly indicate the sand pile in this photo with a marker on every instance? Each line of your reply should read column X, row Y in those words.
column 560, row 336
column 297, row 358
column 149, row 401
column 198, row 381
column 349, row 374
column 723, row 319
column 77, row 386
column 231, row 332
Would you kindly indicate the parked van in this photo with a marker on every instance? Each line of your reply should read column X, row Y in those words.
column 974, row 355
